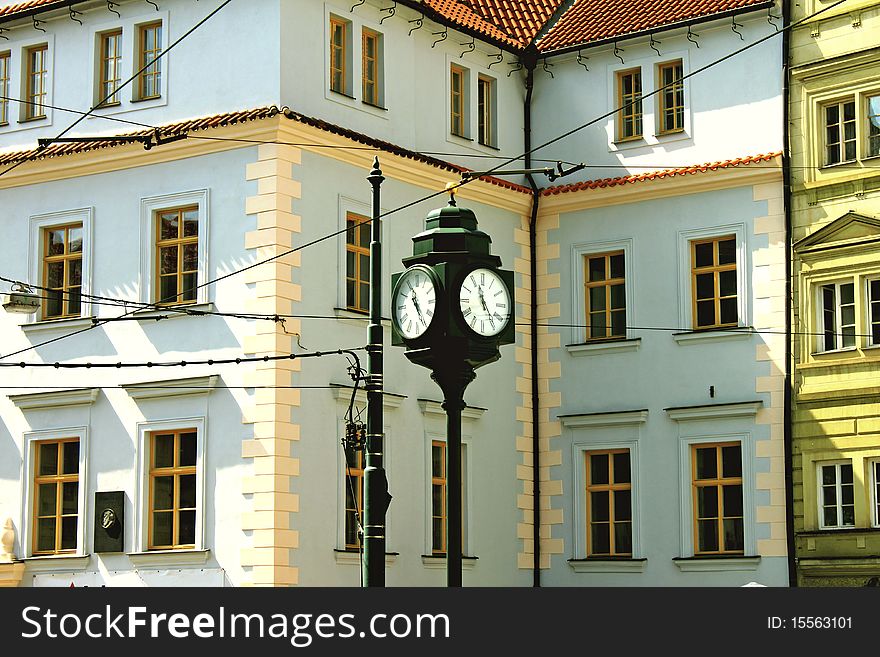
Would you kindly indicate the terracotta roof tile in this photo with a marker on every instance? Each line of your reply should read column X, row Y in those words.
column 233, row 118
column 656, row 175
column 593, row 20
column 33, row 4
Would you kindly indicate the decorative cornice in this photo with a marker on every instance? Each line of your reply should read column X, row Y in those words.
column 714, row 411
column 431, row 407
column 55, row 399
column 610, row 419
column 710, row 564
column 197, row 385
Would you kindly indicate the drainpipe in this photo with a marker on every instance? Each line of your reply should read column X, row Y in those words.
column 788, row 438
column 530, row 61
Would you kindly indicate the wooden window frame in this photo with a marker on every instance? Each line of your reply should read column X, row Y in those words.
column 868, row 123
column 180, row 242
column 5, row 77
column 35, row 107
column 611, row 487
column 58, row 479
column 354, row 478
column 66, row 258
column 371, row 88
column 486, row 104
column 109, row 87
column 841, row 123
column 837, row 330
column 873, row 311
column 342, row 49
column 438, row 481
column 153, row 72
column 715, row 269
column 359, row 277
column 838, row 485
column 608, row 282
column 630, row 106
column 175, row 471
column 676, row 91
column 720, row 481
column 457, row 101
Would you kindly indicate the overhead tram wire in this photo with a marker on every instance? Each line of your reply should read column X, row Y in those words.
column 126, row 83
column 467, row 181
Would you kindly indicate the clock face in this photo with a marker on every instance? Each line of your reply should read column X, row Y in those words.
column 415, row 299
column 485, row 302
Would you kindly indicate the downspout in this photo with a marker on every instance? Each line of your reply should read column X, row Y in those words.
column 788, row 438
column 530, row 61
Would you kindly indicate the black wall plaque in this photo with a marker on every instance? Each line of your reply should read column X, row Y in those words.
column 110, row 522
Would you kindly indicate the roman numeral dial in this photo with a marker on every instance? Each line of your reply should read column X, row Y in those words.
column 485, row 302
column 414, row 302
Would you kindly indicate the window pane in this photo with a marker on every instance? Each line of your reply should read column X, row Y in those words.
column 48, row 458
column 707, row 502
column 186, row 533
column 55, row 242
column 618, row 322
column 190, row 257
column 846, row 473
column 849, row 515
column 707, row 467
column 601, row 538
column 731, row 462
column 46, row 535
column 187, row 491
column 846, row 495
column 733, row 534
column 55, row 274
column 168, row 225
column 168, row 289
column 623, row 537
column 598, row 469
column 68, row 533
column 599, row 506
column 703, row 255
column 436, row 500
column 597, row 325
column 364, row 229
column 190, row 285
column 727, row 252
column 71, row 457
column 728, row 311
column 830, row 516
column 727, row 283
column 69, row 497
column 75, row 238
column 618, row 297
column 187, row 449
column 168, row 260
column 163, row 450
column 597, row 269
column 54, row 303
column 705, row 286
column 621, row 468
column 829, row 495
column 622, row 505
column 437, row 465
column 74, row 274
column 617, row 266
column 163, row 493
column 708, row 535
column 162, row 529
column 733, row 502
column 829, row 475
column 350, row 264
column 190, row 223
column 437, row 542
column 597, row 298
column 46, row 500
column 847, row 292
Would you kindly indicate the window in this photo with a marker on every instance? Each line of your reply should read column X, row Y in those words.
column 874, row 310
column 357, row 263
column 838, row 316
column 875, row 491
column 605, row 295
column 438, row 497
column 371, row 54
column 62, row 271
column 840, row 132
column 717, row 498
column 149, row 49
column 37, row 62
column 339, row 55
column 873, row 127
column 56, row 498
column 4, row 88
column 457, row 101
column 629, row 100
column 836, row 496
column 354, row 497
column 714, row 282
column 671, row 97
column 609, row 503
column 486, row 104
column 110, row 67
column 177, row 250
column 172, row 489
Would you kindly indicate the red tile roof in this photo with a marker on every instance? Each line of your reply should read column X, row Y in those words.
column 656, row 175
column 33, row 4
column 233, row 118
column 595, row 20
column 520, row 19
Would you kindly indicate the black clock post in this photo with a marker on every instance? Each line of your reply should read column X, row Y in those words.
column 452, row 308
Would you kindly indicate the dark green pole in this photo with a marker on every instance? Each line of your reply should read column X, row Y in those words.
column 453, row 384
column 376, row 496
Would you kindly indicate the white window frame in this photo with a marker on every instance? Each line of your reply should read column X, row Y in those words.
column 743, row 264
column 18, row 83
column 820, row 310
column 686, row 443
column 874, row 478
column 578, row 302
column 869, row 316
column 142, row 490
column 149, row 207
column 823, row 128
column 83, row 512
column 467, row 503
column 837, row 483
column 38, row 224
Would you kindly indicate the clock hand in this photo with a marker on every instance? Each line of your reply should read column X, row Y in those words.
column 483, row 300
column 415, row 301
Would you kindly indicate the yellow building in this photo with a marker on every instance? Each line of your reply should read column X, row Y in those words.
column 834, row 124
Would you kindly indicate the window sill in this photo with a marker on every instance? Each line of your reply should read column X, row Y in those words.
column 627, row 141
column 609, row 565
column 826, row 167
column 58, row 562
column 359, row 319
column 492, row 146
column 32, row 119
column 603, row 347
column 109, row 105
column 845, row 351
column 68, row 323
column 378, row 107
column 164, row 558
column 146, row 99
column 173, row 312
column 353, row 557
column 434, row 561
column 716, row 563
column 713, row 335
column 341, row 93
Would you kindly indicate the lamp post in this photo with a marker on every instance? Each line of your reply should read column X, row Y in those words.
column 452, row 309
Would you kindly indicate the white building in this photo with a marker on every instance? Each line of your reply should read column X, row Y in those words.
column 257, row 489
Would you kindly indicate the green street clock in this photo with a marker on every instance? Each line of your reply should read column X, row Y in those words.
column 484, row 302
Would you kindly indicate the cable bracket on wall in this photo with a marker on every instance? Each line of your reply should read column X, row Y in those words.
column 735, row 25
column 547, row 70
column 110, row 5
column 444, row 33
column 418, row 21
column 391, row 11
column 498, row 59
column 355, row 6
column 470, row 47
column 654, row 43
column 517, row 64
column 690, row 36
column 580, row 60
column 150, row 2
column 2, row 36
column 74, row 13
column 771, row 17
column 37, row 24
column 617, row 52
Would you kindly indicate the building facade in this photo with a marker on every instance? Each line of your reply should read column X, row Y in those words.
column 835, row 100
